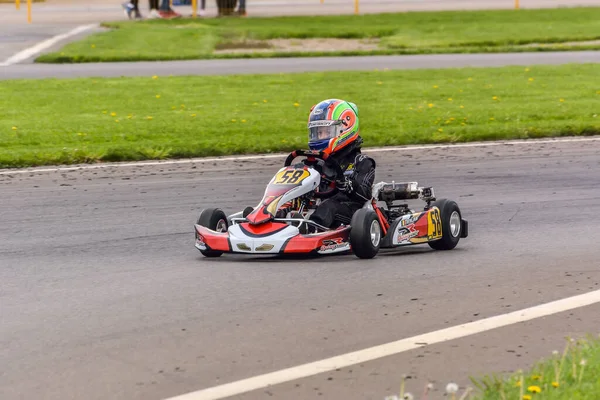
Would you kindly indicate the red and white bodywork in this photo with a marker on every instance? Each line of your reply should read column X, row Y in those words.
column 261, row 233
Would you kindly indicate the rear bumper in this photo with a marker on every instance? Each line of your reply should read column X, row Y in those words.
column 464, row 229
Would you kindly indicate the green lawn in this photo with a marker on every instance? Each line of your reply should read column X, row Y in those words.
column 402, row 33
column 86, row 120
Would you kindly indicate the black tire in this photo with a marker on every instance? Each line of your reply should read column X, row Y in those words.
column 449, row 238
column 212, row 218
column 361, row 241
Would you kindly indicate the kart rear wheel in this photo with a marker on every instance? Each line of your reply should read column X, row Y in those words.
column 365, row 233
column 451, row 225
column 216, row 220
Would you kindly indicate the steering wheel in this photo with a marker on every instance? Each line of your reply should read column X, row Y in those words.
column 329, row 174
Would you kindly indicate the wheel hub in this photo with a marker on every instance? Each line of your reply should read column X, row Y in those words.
column 455, row 224
column 221, row 226
column 375, row 231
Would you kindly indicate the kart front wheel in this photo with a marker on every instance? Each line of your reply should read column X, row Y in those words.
column 365, row 233
column 216, row 220
column 451, row 225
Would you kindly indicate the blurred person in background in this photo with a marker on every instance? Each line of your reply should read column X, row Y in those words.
column 241, row 8
column 166, row 11
column 132, row 8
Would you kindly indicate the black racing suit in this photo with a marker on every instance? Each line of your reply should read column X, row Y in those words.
column 339, row 209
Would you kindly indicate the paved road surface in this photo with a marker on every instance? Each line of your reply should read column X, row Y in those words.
column 59, row 16
column 104, row 296
column 277, row 65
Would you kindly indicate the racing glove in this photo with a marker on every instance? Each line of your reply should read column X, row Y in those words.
column 344, row 185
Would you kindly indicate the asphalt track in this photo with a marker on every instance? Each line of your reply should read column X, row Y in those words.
column 281, row 65
column 104, row 296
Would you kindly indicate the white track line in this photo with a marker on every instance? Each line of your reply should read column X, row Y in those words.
column 280, row 155
column 388, row 349
column 38, row 48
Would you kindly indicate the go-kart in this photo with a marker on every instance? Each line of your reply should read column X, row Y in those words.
column 280, row 223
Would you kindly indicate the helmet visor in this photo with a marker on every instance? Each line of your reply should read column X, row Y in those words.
column 323, row 130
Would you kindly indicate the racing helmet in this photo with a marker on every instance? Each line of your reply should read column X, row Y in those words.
column 333, row 126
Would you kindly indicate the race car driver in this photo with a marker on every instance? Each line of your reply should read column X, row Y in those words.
column 333, row 127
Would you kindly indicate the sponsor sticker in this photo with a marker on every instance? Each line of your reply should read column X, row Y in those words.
column 332, row 245
column 200, row 242
column 406, row 233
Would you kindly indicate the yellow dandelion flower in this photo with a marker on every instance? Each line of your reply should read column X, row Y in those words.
column 148, row 117
column 462, row 106
column 154, row 77
column 526, row 397
column 518, row 384
column 380, row 83
column 555, row 384
column 410, row 108
column 598, row 92
column 193, row 115
column 495, row 98
column 462, row 123
column 430, row 105
column 234, row 120
column 492, row 119
column 265, row 101
column 536, row 377
column 534, row 389
column 449, row 98
column 93, row 46
column 562, row 100
column 129, row 116
column 470, row 79
column 296, row 104
column 435, row 86
column 441, row 130
column 14, row 128
column 526, row 69
column 116, row 120
column 451, row 118
column 244, row 121
column 530, row 79
column 113, row 114
column 158, row 96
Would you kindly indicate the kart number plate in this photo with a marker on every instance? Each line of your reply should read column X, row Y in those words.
column 434, row 229
column 291, row 177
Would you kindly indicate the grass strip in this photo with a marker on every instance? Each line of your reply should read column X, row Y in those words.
column 87, row 120
column 568, row 375
column 399, row 33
